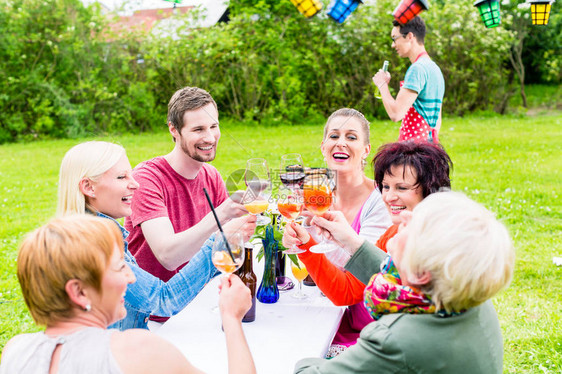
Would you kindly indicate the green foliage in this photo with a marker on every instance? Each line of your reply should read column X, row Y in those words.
column 542, row 50
column 64, row 72
column 472, row 58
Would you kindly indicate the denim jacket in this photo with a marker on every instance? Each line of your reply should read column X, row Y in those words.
column 150, row 295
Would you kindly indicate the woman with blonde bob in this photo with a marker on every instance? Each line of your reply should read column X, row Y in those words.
column 73, row 278
column 96, row 177
column 430, row 300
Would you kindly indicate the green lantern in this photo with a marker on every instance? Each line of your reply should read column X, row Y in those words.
column 540, row 11
column 489, row 12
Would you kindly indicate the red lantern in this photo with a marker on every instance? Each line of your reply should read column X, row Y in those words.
column 408, row 9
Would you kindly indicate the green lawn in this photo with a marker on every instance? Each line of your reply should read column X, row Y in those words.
column 507, row 163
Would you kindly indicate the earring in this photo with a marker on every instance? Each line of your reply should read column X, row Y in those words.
column 88, row 307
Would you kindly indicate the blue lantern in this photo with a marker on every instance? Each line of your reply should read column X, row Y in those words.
column 339, row 10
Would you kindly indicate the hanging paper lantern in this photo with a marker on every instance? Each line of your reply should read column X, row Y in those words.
column 308, row 8
column 339, row 10
column 540, row 11
column 408, row 9
column 489, row 12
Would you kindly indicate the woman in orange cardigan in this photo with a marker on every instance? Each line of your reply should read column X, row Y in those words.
column 405, row 173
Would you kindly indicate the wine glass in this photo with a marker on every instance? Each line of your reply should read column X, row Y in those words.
column 290, row 204
column 258, row 181
column 317, row 190
column 291, row 172
column 299, row 272
column 221, row 256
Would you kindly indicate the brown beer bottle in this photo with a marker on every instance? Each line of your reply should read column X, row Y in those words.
column 247, row 275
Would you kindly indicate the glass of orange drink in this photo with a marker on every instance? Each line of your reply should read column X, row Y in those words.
column 317, row 193
column 290, row 205
column 258, row 181
column 299, row 272
column 227, row 262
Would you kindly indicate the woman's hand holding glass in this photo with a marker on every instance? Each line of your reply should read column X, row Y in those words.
column 235, row 298
column 334, row 226
column 294, row 234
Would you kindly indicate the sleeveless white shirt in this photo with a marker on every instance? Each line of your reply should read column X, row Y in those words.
column 86, row 351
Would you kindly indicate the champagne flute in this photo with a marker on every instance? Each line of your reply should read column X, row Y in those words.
column 318, row 186
column 290, row 206
column 299, row 272
column 291, row 172
column 258, row 181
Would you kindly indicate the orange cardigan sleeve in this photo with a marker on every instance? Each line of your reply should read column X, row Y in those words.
column 340, row 286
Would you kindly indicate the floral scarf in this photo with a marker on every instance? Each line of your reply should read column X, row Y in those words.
column 385, row 294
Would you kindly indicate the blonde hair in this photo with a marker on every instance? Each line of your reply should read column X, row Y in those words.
column 85, row 160
column 72, row 247
column 350, row 113
column 465, row 249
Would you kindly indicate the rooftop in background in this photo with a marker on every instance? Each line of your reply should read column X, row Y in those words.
column 139, row 10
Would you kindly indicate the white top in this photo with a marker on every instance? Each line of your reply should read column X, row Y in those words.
column 86, row 352
column 374, row 221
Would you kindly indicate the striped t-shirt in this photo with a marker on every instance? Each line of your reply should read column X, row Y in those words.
column 425, row 78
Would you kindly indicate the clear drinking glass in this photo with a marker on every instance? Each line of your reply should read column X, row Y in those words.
column 290, row 205
column 299, row 272
column 291, row 171
column 258, row 193
column 221, row 257
column 317, row 190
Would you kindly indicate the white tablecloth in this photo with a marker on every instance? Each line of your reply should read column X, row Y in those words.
column 282, row 334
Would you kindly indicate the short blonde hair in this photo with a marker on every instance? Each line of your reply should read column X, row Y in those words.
column 85, row 160
column 467, row 251
column 351, row 113
column 71, row 247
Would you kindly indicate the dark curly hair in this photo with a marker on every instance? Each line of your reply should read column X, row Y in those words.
column 430, row 162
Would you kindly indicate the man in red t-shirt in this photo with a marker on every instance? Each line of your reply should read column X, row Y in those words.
column 171, row 218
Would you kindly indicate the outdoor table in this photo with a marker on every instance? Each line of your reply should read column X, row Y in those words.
column 282, row 334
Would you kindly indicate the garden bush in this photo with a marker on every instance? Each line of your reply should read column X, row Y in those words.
column 65, row 73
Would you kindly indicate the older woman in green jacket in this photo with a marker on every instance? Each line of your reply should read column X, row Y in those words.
column 430, row 299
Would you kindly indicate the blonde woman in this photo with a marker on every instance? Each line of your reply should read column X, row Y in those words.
column 96, row 177
column 430, row 299
column 346, row 147
column 73, row 277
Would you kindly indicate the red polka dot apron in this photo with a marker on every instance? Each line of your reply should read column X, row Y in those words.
column 414, row 127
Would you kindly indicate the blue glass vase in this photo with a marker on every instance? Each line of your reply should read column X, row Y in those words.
column 268, row 293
